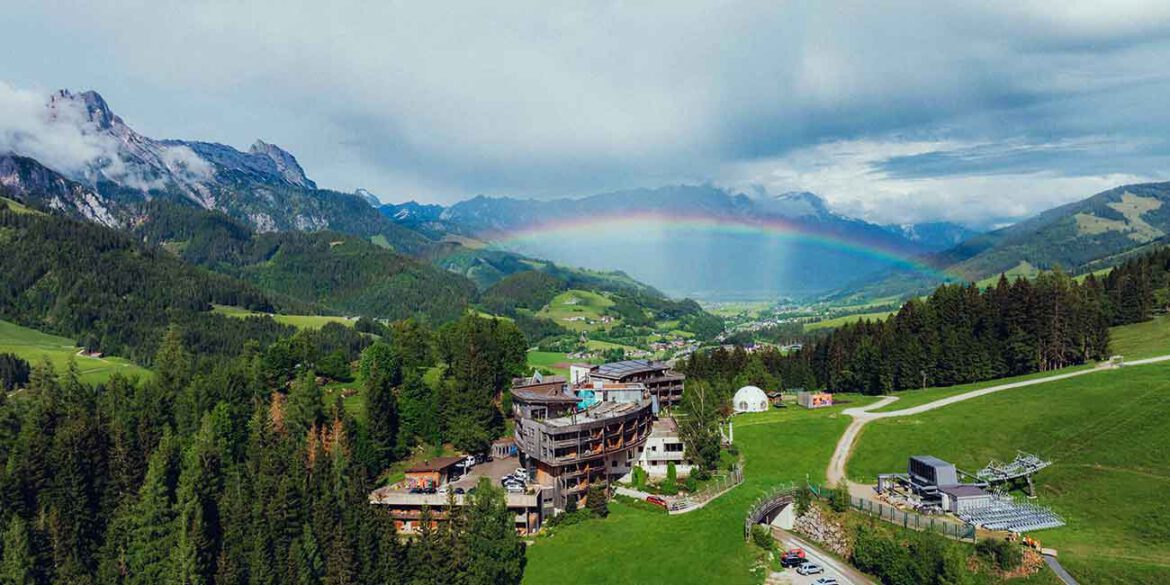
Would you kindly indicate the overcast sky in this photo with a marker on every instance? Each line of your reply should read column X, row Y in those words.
column 979, row 112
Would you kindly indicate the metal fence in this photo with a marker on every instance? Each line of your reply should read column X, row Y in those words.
column 711, row 491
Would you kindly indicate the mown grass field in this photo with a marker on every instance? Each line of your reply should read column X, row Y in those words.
column 298, row 321
column 577, row 304
column 1107, row 435
column 35, row 346
column 635, row 545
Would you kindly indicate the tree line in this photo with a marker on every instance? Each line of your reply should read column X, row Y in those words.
column 959, row 334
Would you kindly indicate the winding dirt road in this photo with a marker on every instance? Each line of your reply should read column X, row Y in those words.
column 862, row 415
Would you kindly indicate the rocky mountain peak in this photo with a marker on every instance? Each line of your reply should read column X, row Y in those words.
column 285, row 162
column 798, row 204
column 96, row 109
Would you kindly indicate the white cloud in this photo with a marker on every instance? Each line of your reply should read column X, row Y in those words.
column 61, row 139
column 442, row 101
column 851, row 177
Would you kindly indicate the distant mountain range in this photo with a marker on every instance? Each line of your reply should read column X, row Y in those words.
column 1083, row 236
column 733, row 245
column 264, row 187
column 695, row 240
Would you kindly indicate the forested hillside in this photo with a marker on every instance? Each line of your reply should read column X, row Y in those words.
column 236, row 470
column 117, row 295
column 1095, row 233
column 344, row 273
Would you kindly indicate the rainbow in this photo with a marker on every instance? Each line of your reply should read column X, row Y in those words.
column 777, row 228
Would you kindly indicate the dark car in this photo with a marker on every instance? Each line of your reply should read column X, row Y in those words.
column 790, row 560
column 459, row 491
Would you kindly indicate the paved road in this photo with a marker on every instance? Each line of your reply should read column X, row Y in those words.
column 862, row 415
column 1059, row 570
column 843, row 573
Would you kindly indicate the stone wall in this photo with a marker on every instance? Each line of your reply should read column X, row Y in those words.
column 821, row 528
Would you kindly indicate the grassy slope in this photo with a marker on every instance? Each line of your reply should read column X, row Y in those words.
column 1142, row 339
column 298, row 321
column 1109, row 479
column 705, row 546
column 846, row 319
column 34, row 346
column 577, row 303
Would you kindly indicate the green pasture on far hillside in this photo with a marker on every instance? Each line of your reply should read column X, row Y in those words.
column 35, row 346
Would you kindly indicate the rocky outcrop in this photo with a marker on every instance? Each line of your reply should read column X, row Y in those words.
column 824, row 530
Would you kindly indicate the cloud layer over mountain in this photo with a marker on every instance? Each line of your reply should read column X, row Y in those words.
column 899, row 112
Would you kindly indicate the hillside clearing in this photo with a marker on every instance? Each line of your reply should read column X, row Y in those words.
column 298, row 321
column 35, row 346
column 577, row 310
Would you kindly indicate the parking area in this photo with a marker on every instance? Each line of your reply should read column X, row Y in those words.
column 494, row 469
column 833, row 569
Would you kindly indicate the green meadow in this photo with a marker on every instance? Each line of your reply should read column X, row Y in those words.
column 847, row 319
column 34, row 346
column 570, row 309
column 298, row 321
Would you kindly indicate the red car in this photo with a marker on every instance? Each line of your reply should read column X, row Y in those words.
column 657, row 501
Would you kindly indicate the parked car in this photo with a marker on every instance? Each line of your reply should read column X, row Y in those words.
column 443, row 490
column 790, row 560
column 416, row 490
column 459, row 491
column 657, row 501
column 520, row 472
column 515, row 488
column 810, row 569
column 825, row 581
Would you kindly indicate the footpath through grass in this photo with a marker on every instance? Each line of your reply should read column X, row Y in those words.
column 1108, row 438
column 635, row 545
column 35, row 346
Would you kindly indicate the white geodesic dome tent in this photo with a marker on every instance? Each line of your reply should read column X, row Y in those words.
column 750, row 399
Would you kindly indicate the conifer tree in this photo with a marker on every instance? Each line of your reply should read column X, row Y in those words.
column 495, row 552
column 18, row 566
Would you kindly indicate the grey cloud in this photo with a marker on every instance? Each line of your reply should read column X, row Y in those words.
column 447, row 100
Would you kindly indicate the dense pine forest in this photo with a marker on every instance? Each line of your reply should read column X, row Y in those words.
column 117, row 295
column 238, row 471
column 962, row 334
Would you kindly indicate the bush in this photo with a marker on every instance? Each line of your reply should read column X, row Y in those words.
column 839, row 498
column 639, row 478
column 803, row 500
column 1003, row 554
column 762, row 537
column 691, row 484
